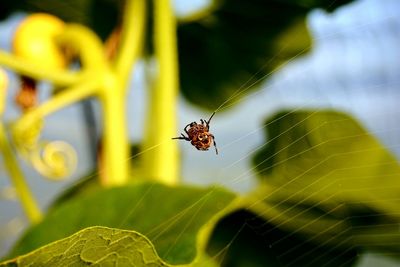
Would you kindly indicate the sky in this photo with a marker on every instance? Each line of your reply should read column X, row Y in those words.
column 354, row 66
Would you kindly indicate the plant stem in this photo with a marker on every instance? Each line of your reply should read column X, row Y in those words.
column 85, row 43
column 29, row 204
column 132, row 37
column 161, row 161
column 36, row 72
column 115, row 148
column 57, row 102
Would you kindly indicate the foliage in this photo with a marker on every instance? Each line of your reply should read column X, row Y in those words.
column 229, row 45
column 233, row 44
column 322, row 196
column 94, row 245
column 172, row 229
column 324, row 165
column 283, row 222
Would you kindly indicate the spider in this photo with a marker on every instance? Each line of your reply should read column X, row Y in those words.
column 199, row 135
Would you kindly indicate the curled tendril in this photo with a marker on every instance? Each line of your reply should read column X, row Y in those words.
column 55, row 160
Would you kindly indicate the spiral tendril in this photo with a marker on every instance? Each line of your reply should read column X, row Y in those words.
column 55, row 160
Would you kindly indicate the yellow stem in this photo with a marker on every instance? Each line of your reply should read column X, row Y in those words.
column 161, row 161
column 29, row 204
column 85, row 43
column 132, row 37
column 115, row 148
column 57, row 102
column 35, row 71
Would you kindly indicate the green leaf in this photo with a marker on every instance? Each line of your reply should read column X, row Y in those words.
column 94, row 245
column 236, row 43
column 175, row 219
column 181, row 222
column 321, row 169
column 245, row 239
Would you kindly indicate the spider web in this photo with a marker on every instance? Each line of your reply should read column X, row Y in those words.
column 370, row 98
column 309, row 88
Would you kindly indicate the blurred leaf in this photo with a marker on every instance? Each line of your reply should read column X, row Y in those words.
column 180, row 222
column 171, row 217
column 94, row 245
column 235, row 43
column 100, row 15
column 228, row 47
column 322, row 169
column 86, row 185
column 90, row 182
column 244, row 239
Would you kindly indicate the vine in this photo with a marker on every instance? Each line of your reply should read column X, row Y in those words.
column 107, row 80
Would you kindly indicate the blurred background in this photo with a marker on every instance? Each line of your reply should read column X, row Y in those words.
column 353, row 66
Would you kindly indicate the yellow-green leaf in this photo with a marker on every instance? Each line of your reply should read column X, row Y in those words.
column 322, row 170
column 175, row 219
column 99, row 246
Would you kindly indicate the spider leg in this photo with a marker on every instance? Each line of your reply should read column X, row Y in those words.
column 208, row 122
column 202, row 121
column 189, row 125
column 183, row 137
column 185, row 129
column 215, row 144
